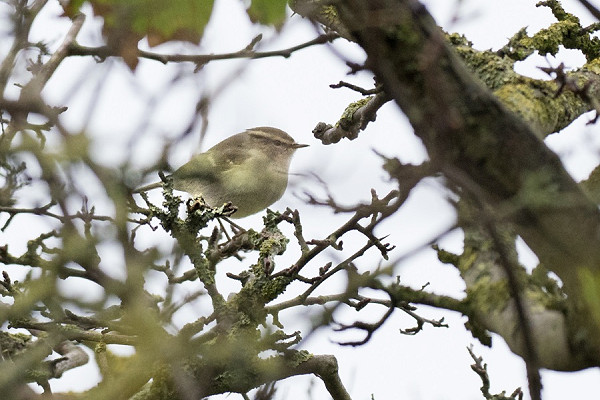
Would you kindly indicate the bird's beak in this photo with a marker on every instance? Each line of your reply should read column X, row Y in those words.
column 299, row 145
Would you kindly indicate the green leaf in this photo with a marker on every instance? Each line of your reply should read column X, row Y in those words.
column 72, row 7
column 268, row 12
column 158, row 19
column 128, row 21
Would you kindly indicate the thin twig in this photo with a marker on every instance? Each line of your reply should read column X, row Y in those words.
column 201, row 59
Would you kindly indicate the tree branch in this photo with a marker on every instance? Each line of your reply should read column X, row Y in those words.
column 465, row 128
column 200, row 60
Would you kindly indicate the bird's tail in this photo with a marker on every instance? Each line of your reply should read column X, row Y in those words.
column 148, row 187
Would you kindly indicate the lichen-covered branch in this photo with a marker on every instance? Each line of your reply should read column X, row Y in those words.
column 355, row 118
column 486, row 150
column 541, row 103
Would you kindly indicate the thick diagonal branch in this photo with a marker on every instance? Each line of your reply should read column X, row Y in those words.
column 476, row 141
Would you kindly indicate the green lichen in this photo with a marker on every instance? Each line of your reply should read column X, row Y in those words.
column 39, row 375
column 567, row 32
column 298, row 357
column 446, row 257
column 205, row 273
column 557, row 10
column 493, row 70
column 275, row 287
column 514, row 49
column 12, row 343
column 330, row 15
column 162, row 387
column 250, row 301
column 592, row 66
column 466, row 261
column 347, row 119
column 537, row 103
column 409, row 41
column 549, row 40
column 100, row 348
column 275, row 244
column 488, row 296
column 457, row 39
column 589, row 281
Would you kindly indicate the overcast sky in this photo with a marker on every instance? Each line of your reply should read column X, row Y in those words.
column 293, row 94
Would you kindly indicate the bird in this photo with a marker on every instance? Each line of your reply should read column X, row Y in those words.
column 249, row 169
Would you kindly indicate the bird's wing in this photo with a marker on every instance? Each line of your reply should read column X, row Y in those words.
column 204, row 166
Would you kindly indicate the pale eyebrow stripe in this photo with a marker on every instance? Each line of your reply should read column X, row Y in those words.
column 264, row 135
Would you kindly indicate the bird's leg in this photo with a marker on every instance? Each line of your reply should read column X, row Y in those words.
column 223, row 228
column 235, row 227
column 225, row 211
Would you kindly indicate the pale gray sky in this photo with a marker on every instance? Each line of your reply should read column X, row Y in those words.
column 293, row 94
